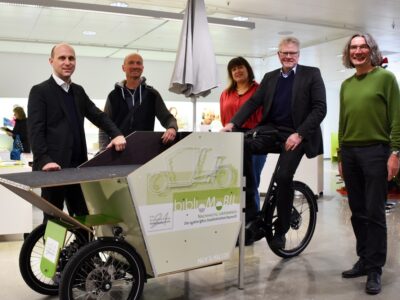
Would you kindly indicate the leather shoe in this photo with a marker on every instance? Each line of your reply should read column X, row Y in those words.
column 357, row 270
column 247, row 242
column 278, row 242
column 373, row 285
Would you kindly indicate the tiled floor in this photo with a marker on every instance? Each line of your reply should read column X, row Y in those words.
column 315, row 274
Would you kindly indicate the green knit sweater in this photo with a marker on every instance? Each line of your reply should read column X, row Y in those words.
column 370, row 110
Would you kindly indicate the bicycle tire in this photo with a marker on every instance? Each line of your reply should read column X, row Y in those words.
column 303, row 221
column 31, row 254
column 103, row 269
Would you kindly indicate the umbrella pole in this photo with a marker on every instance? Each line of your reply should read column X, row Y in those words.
column 194, row 98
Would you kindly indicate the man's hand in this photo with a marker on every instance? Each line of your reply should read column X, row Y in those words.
column 168, row 136
column 228, row 127
column 393, row 165
column 340, row 169
column 293, row 141
column 119, row 143
column 51, row 166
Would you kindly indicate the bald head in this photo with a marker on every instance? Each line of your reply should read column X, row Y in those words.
column 135, row 56
column 56, row 47
column 63, row 61
column 133, row 67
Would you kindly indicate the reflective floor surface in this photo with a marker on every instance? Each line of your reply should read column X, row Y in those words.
column 315, row 274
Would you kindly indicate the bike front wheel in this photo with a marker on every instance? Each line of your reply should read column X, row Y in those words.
column 103, row 269
column 31, row 255
column 302, row 221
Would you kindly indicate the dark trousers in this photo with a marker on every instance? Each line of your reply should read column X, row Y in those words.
column 365, row 177
column 71, row 194
column 290, row 160
column 258, row 165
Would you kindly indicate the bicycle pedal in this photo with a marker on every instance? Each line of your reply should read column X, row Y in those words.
column 254, row 230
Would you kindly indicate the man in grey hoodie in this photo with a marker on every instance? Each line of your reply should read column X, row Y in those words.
column 133, row 105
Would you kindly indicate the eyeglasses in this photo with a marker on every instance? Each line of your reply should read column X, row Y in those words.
column 288, row 53
column 363, row 47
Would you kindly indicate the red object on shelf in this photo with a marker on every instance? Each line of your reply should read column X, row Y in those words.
column 342, row 191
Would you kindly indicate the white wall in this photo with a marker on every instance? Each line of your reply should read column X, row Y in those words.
column 98, row 75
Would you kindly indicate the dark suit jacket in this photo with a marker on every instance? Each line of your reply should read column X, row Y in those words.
column 49, row 125
column 308, row 105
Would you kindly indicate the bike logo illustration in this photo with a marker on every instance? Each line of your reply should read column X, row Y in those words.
column 193, row 167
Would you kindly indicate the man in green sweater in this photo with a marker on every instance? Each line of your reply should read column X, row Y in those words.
column 369, row 144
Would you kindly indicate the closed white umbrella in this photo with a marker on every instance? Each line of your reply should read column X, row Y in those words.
column 195, row 70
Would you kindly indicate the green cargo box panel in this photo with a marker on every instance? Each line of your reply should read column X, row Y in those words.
column 23, row 184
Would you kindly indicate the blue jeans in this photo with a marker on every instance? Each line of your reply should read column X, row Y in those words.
column 258, row 164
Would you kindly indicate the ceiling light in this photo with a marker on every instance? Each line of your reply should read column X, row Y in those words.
column 127, row 11
column 285, row 32
column 89, row 33
column 241, row 19
column 119, row 4
column 16, row 3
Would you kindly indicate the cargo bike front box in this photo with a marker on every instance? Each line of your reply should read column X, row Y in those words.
column 153, row 210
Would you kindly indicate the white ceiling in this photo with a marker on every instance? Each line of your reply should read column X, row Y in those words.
column 315, row 22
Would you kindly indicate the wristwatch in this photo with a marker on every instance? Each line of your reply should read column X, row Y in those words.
column 397, row 153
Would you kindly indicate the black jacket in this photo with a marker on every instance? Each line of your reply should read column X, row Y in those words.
column 308, row 105
column 49, row 125
column 139, row 118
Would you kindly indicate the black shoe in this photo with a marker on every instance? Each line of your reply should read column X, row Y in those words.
column 248, row 241
column 278, row 242
column 373, row 285
column 357, row 271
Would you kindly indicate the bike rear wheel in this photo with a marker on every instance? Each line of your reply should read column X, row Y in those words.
column 302, row 223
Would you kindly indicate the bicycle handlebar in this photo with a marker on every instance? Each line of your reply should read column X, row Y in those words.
column 256, row 133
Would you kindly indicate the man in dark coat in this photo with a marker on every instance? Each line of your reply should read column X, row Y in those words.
column 56, row 109
column 294, row 103
column 133, row 105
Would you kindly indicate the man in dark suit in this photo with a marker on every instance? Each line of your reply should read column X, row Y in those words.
column 294, row 103
column 56, row 109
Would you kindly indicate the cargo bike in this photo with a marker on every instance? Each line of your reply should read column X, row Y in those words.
column 154, row 210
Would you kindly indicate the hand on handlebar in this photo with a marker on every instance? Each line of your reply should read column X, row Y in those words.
column 340, row 169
